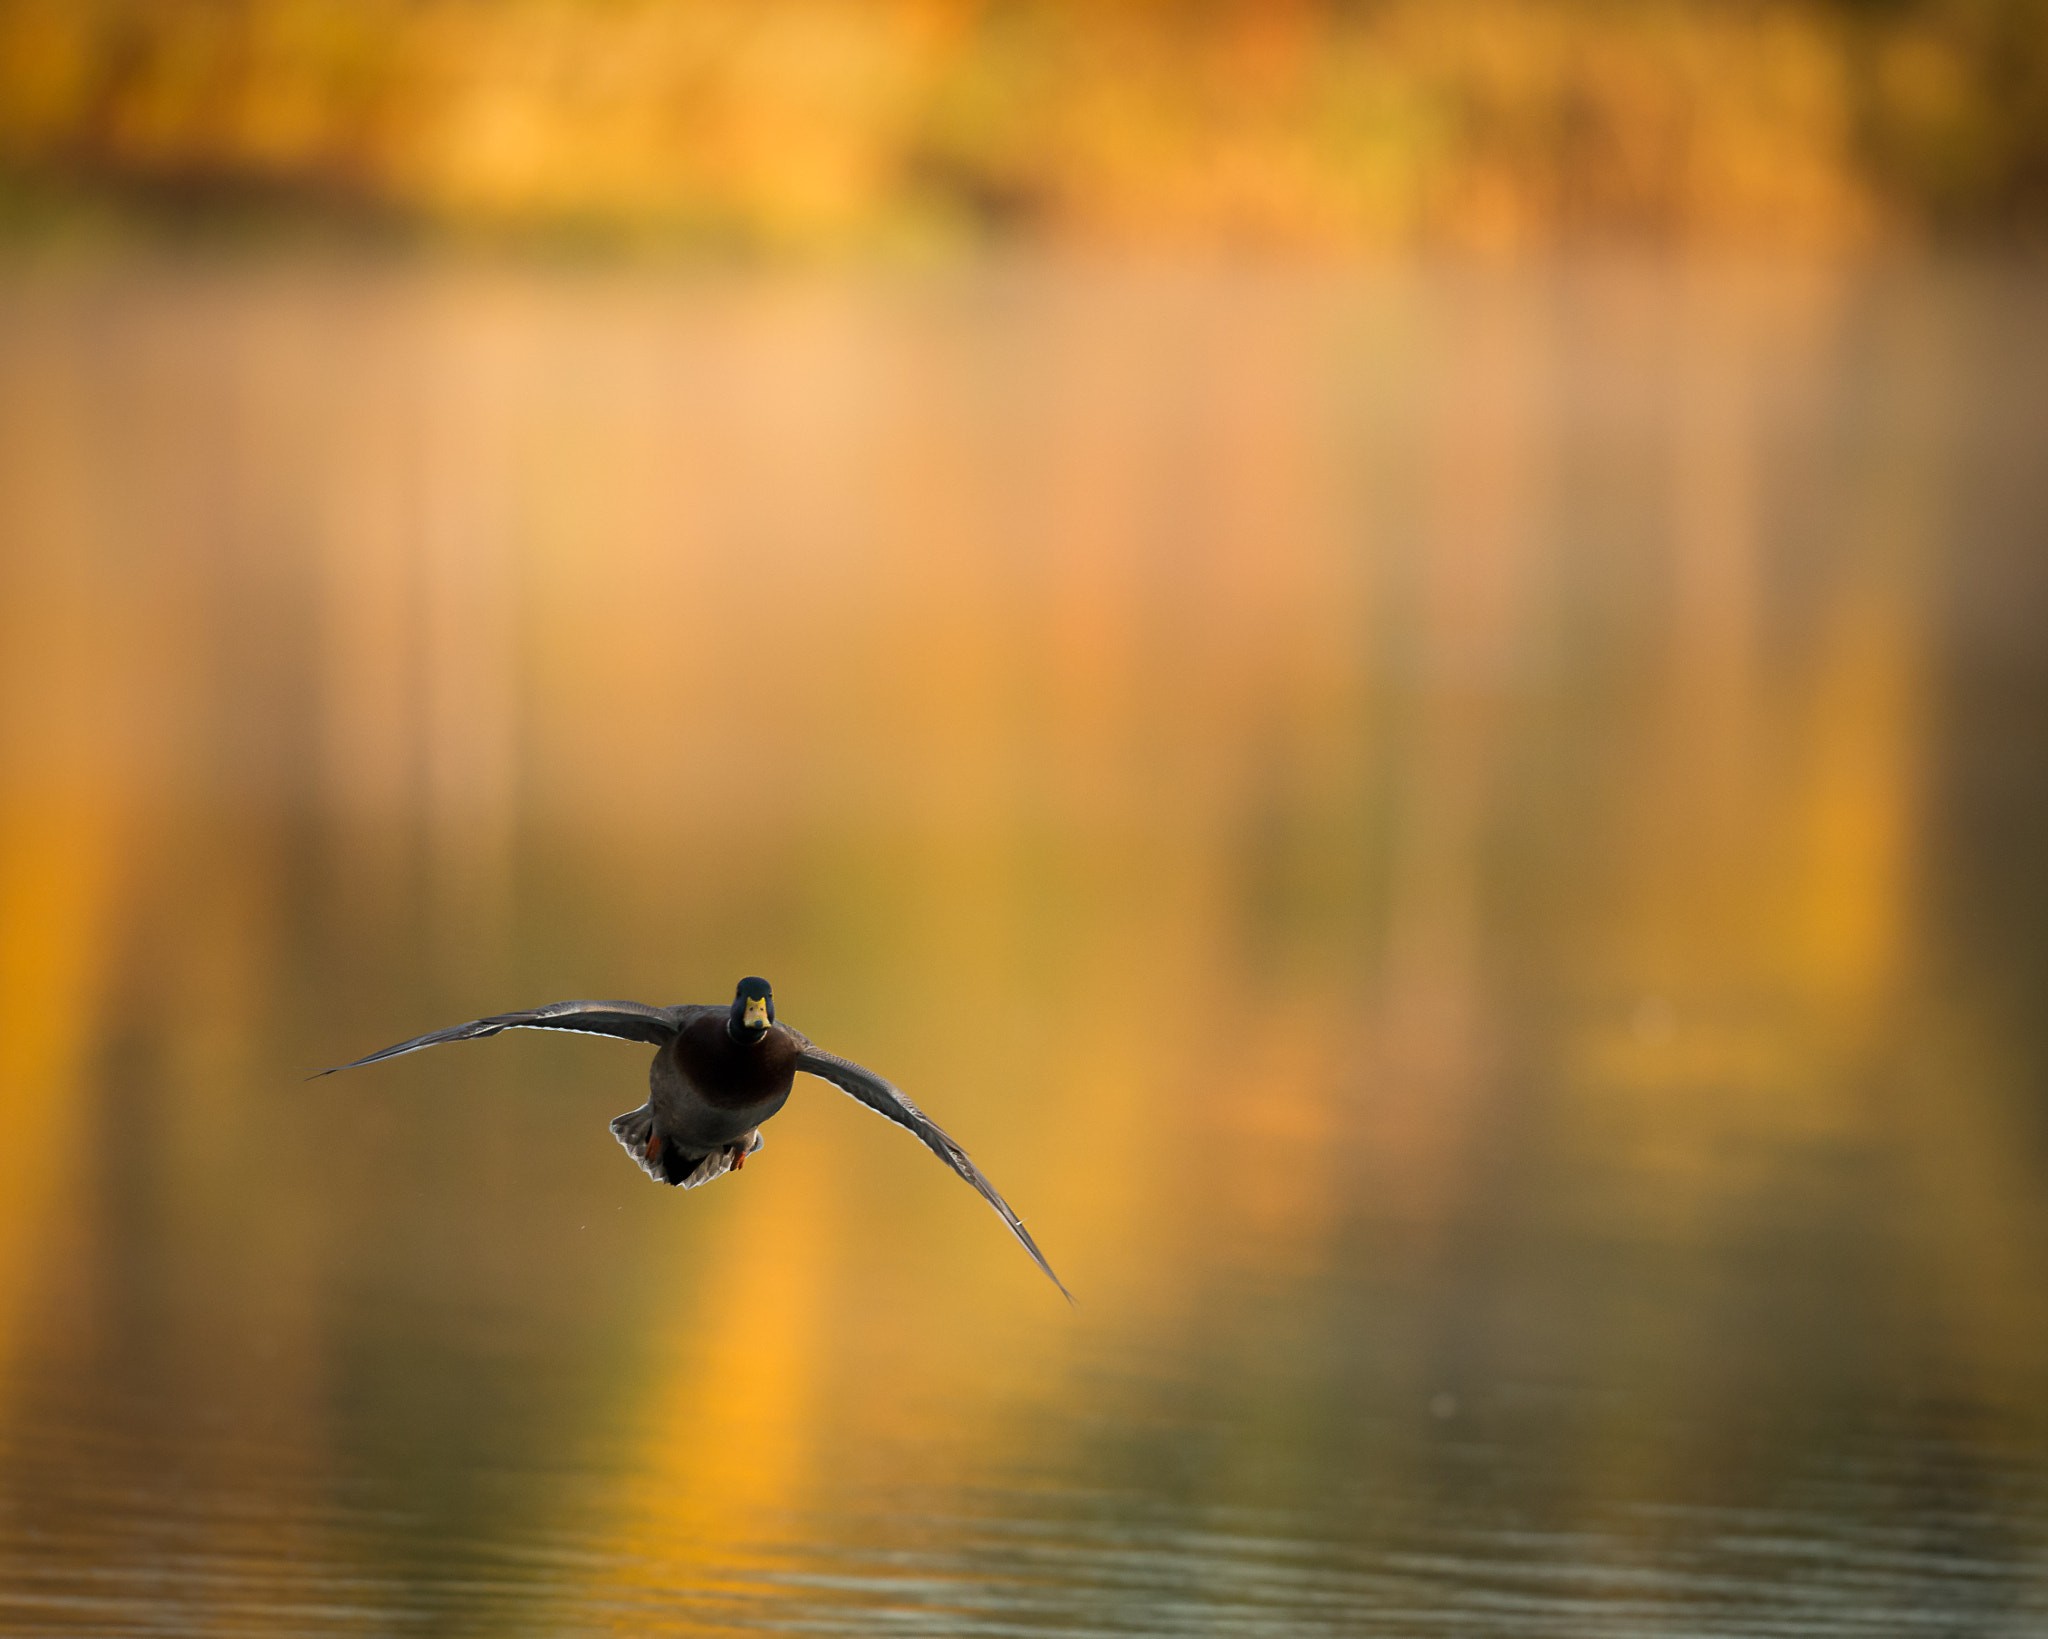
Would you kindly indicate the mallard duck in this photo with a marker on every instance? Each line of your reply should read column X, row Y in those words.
column 720, row 1072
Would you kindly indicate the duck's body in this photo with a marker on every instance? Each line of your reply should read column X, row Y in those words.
column 707, row 1095
column 718, row 1074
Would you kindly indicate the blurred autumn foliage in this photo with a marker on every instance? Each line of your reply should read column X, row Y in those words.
column 1382, row 123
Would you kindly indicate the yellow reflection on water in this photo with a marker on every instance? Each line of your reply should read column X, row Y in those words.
column 1332, row 786
column 56, row 892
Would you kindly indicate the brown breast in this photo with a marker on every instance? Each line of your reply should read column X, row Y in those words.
column 731, row 1075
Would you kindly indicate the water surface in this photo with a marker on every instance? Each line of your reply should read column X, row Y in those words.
column 1465, row 844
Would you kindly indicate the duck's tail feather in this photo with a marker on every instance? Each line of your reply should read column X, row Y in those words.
column 635, row 1132
column 667, row 1162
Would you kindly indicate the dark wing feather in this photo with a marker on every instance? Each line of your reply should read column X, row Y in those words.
column 630, row 1021
column 884, row 1099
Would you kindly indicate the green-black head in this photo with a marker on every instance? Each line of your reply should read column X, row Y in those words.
column 753, row 1011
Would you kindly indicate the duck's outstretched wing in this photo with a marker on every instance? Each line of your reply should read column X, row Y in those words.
column 631, row 1021
column 884, row 1099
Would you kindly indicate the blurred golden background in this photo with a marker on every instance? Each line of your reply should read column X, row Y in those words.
column 1493, row 124
column 1390, row 654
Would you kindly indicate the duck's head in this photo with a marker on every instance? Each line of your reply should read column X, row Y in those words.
column 753, row 1011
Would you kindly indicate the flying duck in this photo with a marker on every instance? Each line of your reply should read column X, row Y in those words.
column 718, row 1074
